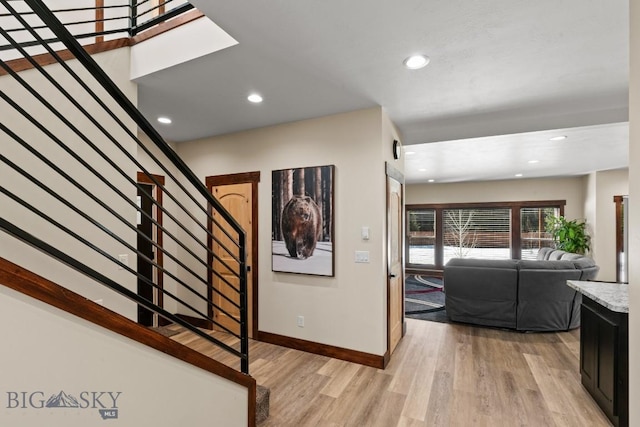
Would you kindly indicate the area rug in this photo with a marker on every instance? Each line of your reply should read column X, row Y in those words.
column 424, row 298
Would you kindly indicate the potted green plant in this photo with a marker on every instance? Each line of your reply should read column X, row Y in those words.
column 570, row 236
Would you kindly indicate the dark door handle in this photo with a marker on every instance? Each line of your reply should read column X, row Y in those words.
column 392, row 276
column 248, row 268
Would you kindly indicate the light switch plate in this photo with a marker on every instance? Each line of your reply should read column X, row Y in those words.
column 365, row 233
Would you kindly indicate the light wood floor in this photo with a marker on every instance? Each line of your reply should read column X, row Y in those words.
column 440, row 375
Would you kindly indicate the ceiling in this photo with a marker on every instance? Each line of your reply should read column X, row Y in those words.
column 504, row 76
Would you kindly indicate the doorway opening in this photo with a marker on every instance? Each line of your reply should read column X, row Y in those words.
column 149, row 200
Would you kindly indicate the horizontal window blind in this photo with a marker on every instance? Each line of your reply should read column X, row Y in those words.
column 421, row 236
column 477, row 233
column 436, row 233
column 533, row 232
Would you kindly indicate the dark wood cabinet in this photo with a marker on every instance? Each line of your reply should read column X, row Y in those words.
column 604, row 359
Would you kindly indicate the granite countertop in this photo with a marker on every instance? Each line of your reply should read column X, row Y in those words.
column 614, row 296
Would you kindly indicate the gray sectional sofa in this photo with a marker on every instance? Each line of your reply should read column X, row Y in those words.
column 517, row 294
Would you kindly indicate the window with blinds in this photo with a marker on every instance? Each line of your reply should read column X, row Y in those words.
column 499, row 230
column 421, row 236
column 533, row 234
column 477, row 233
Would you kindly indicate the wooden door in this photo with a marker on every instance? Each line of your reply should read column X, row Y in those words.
column 237, row 199
column 395, row 298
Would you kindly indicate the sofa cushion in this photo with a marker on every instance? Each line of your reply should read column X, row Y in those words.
column 546, row 265
column 545, row 302
column 483, row 263
column 584, row 262
column 568, row 256
column 555, row 255
column 483, row 292
column 546, row 285
column 543, row 253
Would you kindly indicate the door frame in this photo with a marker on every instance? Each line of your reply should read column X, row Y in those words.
column 143, row 178
column 393, row 173
column 622, row 250
column 252, row 178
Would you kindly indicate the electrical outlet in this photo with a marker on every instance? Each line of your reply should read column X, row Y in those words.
column 362, row 256
column 301, row 321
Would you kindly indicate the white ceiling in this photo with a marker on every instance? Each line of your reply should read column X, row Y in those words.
column 498, row 68
column 529, row 155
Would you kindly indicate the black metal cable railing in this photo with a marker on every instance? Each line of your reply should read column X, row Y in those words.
column 78, row 159
column 93, row 20
column 148, row 13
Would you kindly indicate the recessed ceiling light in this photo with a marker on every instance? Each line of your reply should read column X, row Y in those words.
column 533, row 161
column 558, row 138
column 164, row 120
column 409, row 153
column 416, row 62
column 432, row 180
column 255, row 98
column 518, row 175
column 422, row 170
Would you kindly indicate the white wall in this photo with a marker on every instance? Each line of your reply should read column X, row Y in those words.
column 348, row 310
column 569, row 189
column 634, row 218
column 53, row 351
column 116, row 64
column 600, row 212
column 175, row 47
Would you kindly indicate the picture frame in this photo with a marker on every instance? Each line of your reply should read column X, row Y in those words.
column 303, row 228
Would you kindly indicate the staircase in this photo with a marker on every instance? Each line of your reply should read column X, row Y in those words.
column 97, row 208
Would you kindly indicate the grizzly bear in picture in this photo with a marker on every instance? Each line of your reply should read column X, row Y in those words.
column 301, row 226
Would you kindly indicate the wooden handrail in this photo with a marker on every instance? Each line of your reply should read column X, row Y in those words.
column 167, row 26
column 43, row 59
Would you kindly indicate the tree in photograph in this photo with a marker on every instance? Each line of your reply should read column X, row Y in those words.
column 313, row 182
column 460, row 233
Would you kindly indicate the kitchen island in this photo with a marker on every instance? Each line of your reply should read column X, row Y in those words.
column 604, row 346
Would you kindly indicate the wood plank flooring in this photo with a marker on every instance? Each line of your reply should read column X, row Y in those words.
column 441, row 375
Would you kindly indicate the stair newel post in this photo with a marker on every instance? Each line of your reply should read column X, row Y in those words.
column 133, row 17
column 244, row 315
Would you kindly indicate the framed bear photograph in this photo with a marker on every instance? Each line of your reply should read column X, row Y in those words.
column 302, row 231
